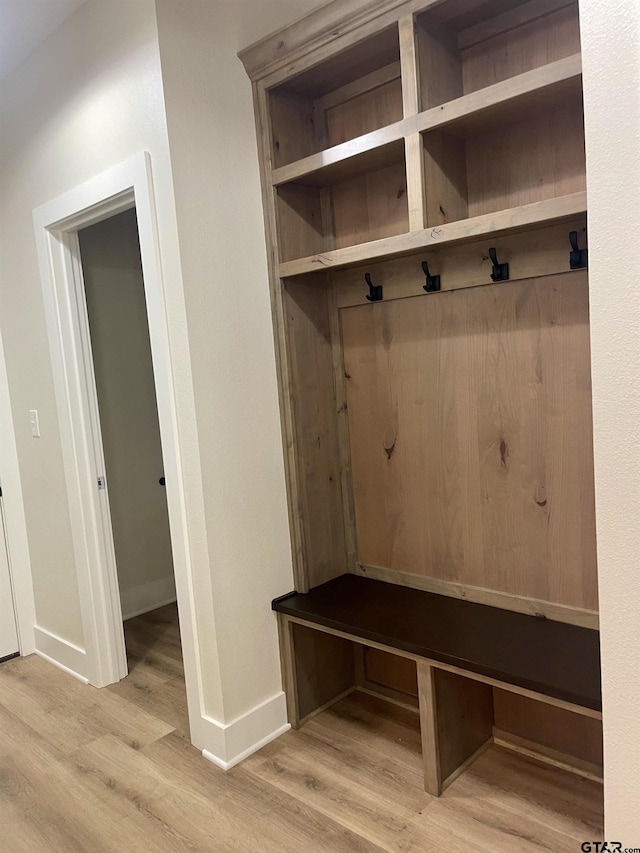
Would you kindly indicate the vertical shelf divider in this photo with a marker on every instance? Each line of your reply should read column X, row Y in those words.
column 414, row 155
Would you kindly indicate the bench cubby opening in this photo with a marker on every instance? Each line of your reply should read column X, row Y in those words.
column 460, row 714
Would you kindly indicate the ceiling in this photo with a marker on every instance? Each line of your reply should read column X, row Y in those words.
column 24, row 24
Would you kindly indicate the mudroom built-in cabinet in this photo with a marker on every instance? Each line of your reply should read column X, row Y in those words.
column 424, row 186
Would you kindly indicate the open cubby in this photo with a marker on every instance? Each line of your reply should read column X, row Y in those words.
column 345, row 96
column 462, row 50
column 369, row 206
column 475, row 170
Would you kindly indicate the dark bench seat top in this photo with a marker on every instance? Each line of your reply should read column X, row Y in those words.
column 552, row 658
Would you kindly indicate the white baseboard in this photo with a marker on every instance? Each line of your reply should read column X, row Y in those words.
column 61, row 653
column 227, row 744
column 147, row 597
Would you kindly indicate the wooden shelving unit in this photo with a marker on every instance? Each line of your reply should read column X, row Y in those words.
column 435, row 440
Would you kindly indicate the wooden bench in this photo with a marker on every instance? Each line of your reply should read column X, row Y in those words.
column 462, row 651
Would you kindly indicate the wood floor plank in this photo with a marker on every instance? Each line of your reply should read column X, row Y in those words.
column 113, row 771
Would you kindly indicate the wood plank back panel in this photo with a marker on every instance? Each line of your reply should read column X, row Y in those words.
column 320, row 494
column 370, row 206
column 540, row 158
column 532, row 45
column 392, row 671
column 547, row 725
column 471, row 437
column 364, row 113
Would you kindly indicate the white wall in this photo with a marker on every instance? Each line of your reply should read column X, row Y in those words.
column 215, row 166
column 90, row 97
column 611, row 63
column 114, row 287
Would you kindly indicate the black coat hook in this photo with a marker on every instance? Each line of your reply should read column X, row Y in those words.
column 500, row 272
column 375, row 290
column 578, row 258
column 433, row 281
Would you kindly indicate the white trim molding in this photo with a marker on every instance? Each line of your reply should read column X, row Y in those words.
column 56, row 225
column 232, row 742
column 61, row 653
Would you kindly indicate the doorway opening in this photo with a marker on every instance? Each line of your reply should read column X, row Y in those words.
column 133, row 479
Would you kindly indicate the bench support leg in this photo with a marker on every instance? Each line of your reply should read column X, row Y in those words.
column 429, row 729
column 288, row 665
column 456, row 721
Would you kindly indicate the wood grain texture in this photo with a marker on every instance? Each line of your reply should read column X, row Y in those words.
column 540, row 158
column 491, row 597
column 319, row 496
column 390, row 671
column 283, row 367
column 542, row 656
column 445, row 170
column 300, row 221
column 511, row 221
column 324, row 668
column 364, row 113
column 292, row 127
column 370, row 207
column 464, row 719
column 574, row 735
column 439, row 63
column 348, row 781
column 466, row 673
column 432, row 768
column 483, row 401
column 531, row 45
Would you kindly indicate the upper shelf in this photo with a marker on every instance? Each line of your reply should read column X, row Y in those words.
column 502, row 222
column 475, row 113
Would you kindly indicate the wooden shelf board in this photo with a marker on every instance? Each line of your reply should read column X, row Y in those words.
column 468, row 115
column 348, row 160
column 490, row 224
column 508, row 100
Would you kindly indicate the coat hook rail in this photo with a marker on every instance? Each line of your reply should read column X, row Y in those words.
column 499, row 272
column 375, row 290
column 578, row 258
column 433, row 281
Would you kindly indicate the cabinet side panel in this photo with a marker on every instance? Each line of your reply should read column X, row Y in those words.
column 471, row 438
column 292, row 123
column 324, row 667
column 319, row 502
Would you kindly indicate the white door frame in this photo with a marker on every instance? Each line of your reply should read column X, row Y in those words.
column 56, row 225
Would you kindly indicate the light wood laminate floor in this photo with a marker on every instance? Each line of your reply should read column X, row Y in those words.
column 86, row 770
